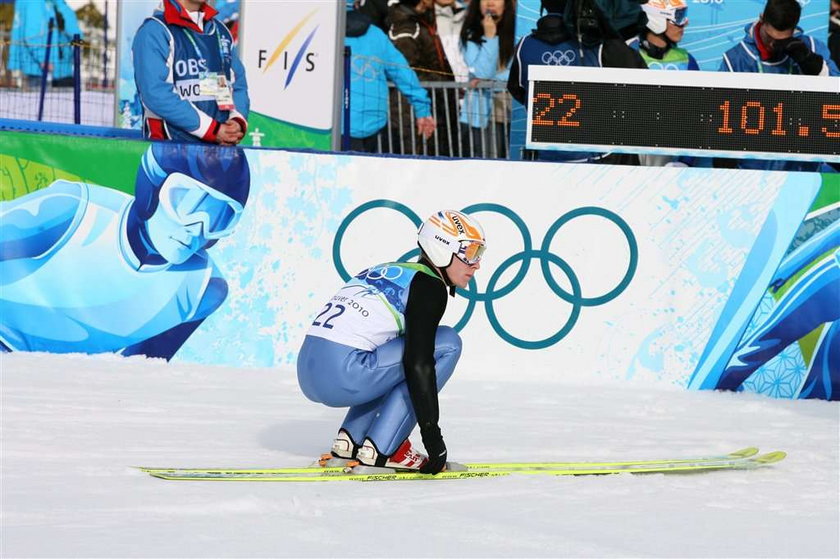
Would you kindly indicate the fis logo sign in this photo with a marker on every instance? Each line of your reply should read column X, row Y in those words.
column 283, row 56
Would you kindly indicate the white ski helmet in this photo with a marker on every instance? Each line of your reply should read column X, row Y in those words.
column 660, row 12
column 448, row 233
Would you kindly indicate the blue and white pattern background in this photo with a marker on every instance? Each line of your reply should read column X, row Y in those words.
column 296, row 203
column 694, row 229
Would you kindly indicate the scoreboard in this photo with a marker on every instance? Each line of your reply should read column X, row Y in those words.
column 761, row 116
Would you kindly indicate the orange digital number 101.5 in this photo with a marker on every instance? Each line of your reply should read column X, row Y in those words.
column 549, row 103
column 752, row 120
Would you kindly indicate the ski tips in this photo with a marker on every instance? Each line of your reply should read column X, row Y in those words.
column 745, row 452
column 771, row 457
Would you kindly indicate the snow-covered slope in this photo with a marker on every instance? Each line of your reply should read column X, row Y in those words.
column 72, row 427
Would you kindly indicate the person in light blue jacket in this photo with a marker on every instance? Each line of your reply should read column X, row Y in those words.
column 375, row 60
column 228, row 10
column 29, row 39
column 67, row 27
column 487, row 42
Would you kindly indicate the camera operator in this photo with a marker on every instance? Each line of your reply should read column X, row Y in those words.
column 579, row 33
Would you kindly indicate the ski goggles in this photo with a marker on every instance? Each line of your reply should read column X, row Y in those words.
column 680, row 18
column 470, row 252
column 188, row 201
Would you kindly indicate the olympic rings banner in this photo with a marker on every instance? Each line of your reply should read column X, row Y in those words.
column 700, row 278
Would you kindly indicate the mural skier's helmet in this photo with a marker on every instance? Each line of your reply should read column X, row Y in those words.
column 660, row 12
column 448, row 233
column 194, row 184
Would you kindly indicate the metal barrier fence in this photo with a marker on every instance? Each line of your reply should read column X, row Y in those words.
column 88, row 97
column 58, row 80
column 454, row 105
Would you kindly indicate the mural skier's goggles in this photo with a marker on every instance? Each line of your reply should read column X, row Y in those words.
column 188, row 201
column 470, row 252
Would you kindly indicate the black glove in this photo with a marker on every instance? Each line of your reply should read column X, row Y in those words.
column 810, row 63
column 433, row 441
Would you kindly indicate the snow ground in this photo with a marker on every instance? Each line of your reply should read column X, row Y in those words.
column 72, row 427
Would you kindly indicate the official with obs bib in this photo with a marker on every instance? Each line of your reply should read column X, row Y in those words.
column 191, row 83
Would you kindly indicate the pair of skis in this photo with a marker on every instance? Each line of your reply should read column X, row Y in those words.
column 744, row 459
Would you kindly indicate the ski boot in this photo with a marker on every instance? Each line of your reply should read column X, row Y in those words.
column 404, row 459
column 343, row 452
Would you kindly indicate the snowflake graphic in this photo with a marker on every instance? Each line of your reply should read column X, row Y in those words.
column 780, row 377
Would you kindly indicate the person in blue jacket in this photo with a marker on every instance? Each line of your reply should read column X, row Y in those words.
column 228, row 9
column 190, row 81
column 229, row 15
column 775, row 45
column 487, row 38
column 375, row 60
column 29, row 41
column 90, row 269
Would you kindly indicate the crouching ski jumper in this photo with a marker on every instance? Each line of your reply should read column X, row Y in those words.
column 377, row 347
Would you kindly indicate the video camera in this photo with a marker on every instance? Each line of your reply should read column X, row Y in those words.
column 593, row 21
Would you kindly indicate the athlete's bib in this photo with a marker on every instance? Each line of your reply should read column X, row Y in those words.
column 370, row 309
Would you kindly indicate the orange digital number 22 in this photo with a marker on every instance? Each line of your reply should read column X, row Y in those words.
column 565, row 119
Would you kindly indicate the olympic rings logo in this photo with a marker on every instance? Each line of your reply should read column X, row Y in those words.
column 389, row 273
column 663, row 66
column 559, row 58
column 524, row 257
column 364, row 70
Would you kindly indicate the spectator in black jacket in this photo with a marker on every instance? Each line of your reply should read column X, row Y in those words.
column 413, row 30
column 575, row 33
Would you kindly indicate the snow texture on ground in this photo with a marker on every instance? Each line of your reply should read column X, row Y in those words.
column 73, row 427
